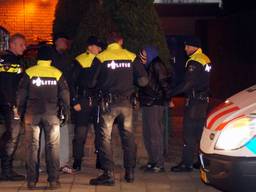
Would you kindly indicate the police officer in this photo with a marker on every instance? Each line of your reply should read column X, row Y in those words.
column 10, row 73
column 112, row 73
column 196, row 89
column 83, row 98
column 41, row 92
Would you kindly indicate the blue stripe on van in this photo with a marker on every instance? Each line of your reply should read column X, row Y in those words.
column 252, row 145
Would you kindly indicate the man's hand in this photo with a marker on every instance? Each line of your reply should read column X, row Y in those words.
column 171, row 104
column 77, row 107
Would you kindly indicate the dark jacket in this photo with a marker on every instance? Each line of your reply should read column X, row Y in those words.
column 197, row 76
column 42, row 90
column 158, row 90
column 10, row 74
column 79, row 89
column 115, row 70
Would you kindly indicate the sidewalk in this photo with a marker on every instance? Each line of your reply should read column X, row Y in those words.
column 144, row 182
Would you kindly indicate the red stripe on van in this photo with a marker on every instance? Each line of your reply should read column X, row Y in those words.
column 219, row 115
column 222, row 105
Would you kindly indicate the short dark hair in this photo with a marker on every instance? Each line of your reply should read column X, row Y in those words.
column 114, row 37
column 60, row 35
column 16, row 36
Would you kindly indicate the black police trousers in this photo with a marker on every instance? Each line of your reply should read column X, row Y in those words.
column 193, row 124
column 84, row 120
column 10, row 138
column 50, row 124
column 120, row 114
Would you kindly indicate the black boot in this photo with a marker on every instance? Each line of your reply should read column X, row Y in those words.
column 105, row 179
column 53, row 185
column 7, row 172
column 197, row 165
column 129, row 175
column 181, row 167
column 77, row 164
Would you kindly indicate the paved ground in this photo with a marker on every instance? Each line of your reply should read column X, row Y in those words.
column 145, row 182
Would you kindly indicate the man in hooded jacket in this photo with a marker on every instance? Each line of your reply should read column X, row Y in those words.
column 153, row 98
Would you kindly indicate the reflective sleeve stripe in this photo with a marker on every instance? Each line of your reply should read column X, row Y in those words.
column 12, row 68
column 219, row 115
column 222, row 125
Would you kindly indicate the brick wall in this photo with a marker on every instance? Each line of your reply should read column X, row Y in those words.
column 31, row 17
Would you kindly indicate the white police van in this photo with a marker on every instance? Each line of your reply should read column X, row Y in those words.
column 228, row 144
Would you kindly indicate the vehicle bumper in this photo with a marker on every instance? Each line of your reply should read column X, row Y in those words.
column 229, row 173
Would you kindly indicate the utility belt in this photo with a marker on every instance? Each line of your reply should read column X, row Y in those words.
column 105, row 100
column 203, row 96
column 88, row 99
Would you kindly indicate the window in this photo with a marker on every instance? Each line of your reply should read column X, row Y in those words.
column 4, row 39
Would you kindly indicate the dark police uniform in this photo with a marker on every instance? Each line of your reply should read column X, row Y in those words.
column 85, row 96
column 41, row 92
column 113, row 74
column 10, row 74
column 196, row 89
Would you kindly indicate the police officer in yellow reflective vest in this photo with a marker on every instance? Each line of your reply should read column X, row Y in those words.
column 83, row 99
column 196, row 89
column 11, row 71
column 42, row 93
column 113, row 73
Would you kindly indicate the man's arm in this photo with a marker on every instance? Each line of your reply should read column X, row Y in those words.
column 63, row 93
column 140, row 74
column 191, row 75
column 164, row 79
column 74, row 82
column 22, row 94
column 95, row 71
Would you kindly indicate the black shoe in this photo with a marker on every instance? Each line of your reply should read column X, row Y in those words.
column 77, row 164
column 31, row 185
column 11, row 176
column 53, row 185
column 129, row 175
column 147, row 166
column 181, row 168
column 197, row 165
column 105, row 179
